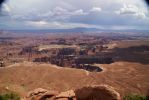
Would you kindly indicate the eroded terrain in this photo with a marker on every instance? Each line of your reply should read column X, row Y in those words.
column 64, row 61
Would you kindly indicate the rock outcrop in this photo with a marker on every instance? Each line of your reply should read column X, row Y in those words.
column 41, row 94
column 100, row 92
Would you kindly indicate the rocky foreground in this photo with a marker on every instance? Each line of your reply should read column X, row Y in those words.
column 101, row 92
column 124, row 77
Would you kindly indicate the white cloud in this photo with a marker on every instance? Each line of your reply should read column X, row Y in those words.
column 56, row 14
column 58, row 25
column 128, row 9
column 59, row 11
column 45, row 13
column 6, row 9
column 95, row 9
column 132, row 10
column 37, row 23
column 79, row 12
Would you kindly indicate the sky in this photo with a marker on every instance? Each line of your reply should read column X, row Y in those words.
column 66, row 14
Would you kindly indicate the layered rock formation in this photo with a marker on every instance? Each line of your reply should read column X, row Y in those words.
column 100, row 92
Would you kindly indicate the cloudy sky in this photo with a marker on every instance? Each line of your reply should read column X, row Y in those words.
column 55, row 14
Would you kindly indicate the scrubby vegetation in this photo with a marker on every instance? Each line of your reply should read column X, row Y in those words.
column 10, row 96
column 135, row 97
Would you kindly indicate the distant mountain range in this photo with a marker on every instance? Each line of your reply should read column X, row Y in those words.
column 87, row 31
column 74, row 30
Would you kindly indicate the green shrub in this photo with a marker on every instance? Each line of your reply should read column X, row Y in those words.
column 10, row 96
column 135, row 97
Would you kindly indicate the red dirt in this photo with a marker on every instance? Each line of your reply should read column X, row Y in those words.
column 125, row 77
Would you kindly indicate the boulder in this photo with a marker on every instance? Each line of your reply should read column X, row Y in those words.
column 68, row 95
column 96, row 92
column 99, row 92
column 41, row 94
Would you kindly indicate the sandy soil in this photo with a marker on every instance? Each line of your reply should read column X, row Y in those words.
column 125, row 77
